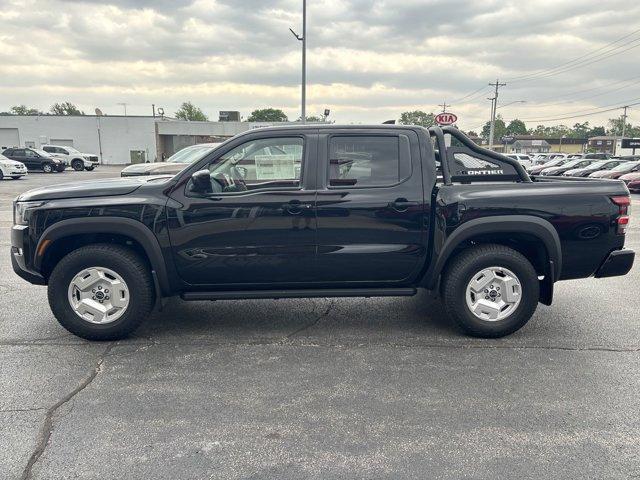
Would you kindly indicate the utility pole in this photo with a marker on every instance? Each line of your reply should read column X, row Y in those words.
column 494, row 106
column 303, row 38
column 444, row 106
column 624, row 120
column 125, row 108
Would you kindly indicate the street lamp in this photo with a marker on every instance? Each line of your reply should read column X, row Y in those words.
column 303, row 38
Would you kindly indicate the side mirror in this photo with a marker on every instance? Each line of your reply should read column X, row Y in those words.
column 201, row 181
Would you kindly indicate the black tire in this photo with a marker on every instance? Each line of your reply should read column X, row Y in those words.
column 15, row 178
column 47, row 167
column 88, row 169
column 77, row 165
column 470, row 262
column 1, row 175
column 126, row 263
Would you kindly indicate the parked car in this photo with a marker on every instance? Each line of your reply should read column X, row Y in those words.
column 72, row 157
column 617, row 172
column 634, row 185
column 597, row 156
column 594, row 167
column 568, row 165
column 632, row 180
column 555, row 156
column 525, row 160
column 175, row 164
column 11, row 168
column 540, row 158
column 321, row 222
column 550, row 163
column 35, row 159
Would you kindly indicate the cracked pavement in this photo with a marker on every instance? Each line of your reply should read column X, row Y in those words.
column 321, row 388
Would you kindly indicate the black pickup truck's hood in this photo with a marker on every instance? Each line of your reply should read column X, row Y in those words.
column 91, row 188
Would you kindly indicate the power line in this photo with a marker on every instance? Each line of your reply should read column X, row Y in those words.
column 577, row 59
column 605, row 56
column 533, row 104
column 579, row 115
column 470, row 94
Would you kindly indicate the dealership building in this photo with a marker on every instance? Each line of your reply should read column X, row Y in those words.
column 117, row 139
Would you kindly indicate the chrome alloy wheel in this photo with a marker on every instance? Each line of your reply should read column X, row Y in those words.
column 98, row 295
column 493, row 294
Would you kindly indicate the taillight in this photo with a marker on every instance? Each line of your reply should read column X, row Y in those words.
column 623, row 202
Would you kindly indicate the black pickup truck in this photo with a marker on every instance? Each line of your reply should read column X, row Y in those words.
column 325, row 211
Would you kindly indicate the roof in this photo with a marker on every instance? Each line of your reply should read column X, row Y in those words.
column 532, row 143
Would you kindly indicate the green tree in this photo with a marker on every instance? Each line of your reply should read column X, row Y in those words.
column 65, row 108
column 616, row 128
column 597, row 132
column 417, row 117
column 516, row 127
column 22, row 110
column 268, row 115
column 188, row 111
column 500, row 130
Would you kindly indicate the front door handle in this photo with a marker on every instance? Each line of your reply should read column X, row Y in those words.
column 296, row 207
column 402, row 205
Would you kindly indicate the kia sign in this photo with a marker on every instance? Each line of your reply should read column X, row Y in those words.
column 446, row 118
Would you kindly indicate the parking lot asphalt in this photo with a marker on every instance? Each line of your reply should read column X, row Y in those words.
column 320, row 388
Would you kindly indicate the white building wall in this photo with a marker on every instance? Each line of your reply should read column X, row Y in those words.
column 119, row 134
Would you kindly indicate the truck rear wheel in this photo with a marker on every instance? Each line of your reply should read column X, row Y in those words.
column 101, row 292
column 490, row 290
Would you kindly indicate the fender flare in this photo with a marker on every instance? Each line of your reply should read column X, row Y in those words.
column 110, row 225
column 538, row 227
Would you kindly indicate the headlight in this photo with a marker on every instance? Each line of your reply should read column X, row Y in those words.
column 21, row 211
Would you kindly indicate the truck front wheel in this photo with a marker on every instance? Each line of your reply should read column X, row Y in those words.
column 101, row 292
column 77, row 165
column 490, row 290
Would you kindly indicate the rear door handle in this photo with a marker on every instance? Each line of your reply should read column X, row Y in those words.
column 402, row 205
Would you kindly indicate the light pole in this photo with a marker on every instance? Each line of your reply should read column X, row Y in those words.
column 303, row 38
column 98, row 115
column 560, row 147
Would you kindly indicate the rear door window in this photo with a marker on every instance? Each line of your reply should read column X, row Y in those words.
column 368, row 161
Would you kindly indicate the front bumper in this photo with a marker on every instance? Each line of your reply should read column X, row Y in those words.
column 19, row 252
column 619, row 262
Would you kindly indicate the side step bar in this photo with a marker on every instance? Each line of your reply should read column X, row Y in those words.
column 307, row 293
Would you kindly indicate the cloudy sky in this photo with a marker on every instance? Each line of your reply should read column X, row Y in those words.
column 368, row 60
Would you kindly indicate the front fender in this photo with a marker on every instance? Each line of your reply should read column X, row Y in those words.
column 108, row 225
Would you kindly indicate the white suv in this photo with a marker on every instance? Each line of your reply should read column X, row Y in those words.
column 525, row 160
column 72, row 157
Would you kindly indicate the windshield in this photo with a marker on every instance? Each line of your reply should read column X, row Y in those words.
column 625, row 167
column 598, row 164
column 42, row 153
column 71, row 150
column 555, row 163
column 572, row 163
column 190, row 154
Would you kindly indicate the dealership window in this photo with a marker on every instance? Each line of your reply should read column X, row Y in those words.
column 368, row 161
column 138, row 156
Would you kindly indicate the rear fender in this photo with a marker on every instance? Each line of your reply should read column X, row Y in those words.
column 534, row 226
